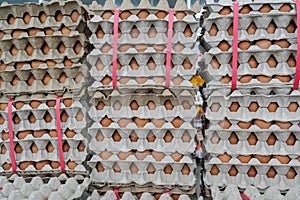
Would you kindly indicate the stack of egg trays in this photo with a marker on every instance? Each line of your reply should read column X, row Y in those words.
column 175, row 153
column 277, row 62
column 140, row 49
column 42, row 56
column 61, row 187
column 273, row 122
column 42, row 117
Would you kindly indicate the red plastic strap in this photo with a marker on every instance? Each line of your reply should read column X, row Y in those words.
column 168, row 192
column 11, row 137
column 235, row 44
column 297, row 75
column 115, row 48
column 169, row 47
column 116, row 191
column 59, row 135
column 245, row 197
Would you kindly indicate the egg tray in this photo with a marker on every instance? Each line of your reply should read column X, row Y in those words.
column 261, row 181
column 186, row 182
column 218, row 142
column 17, row 187
column 273, row 192
column 110, row 195
column 216, row 6
column 144, row 5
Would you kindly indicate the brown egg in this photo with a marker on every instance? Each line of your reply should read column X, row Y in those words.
column 35, row 64
column 265, row 8
column 158, row 156
column 124, row 122
column 272, row 62
column 116, row 136
column 3, row 149
column 105, row 122
column 263, row 159
column 53, row 133
column 50, row 147
column 252, row 139
column 176, row 156
column 142, row 155
column 230, row 29
column 282, row 43
column 224, row 46
column 271, row 173
column 168, row 137
column 151, row 105
column 141, row 122
column 225, row 79
column 291, row 140
column 143, row 14
column 225, row 11
column 1, row 34
column 34, row 31
column 35, row 104
column 133, row 137
column 214, row 63
column 214, row 170
column 18, row 148
column 117, row 105
column 46, row 79
column 51, row 103
column 134, row 33
column 271, row 139
column 252, row 172
column 68, row 63
column 99, row 167
column 49, row 31
column 62, row 78
column 72, row 164
column 40, row 133
column 187, row 65
column 11, row 19
column 105, row 155
column 68, row 102
column 245, row 9
column 234, row 107
column 25, row 164
column 17, row 33
column 107, row 14
column 19, row 105
column 291, row 28
column 75, row 15
column 244, row 158
column 282, row 159
column 291, row 61
column 291, row 174
column 58, row 16
column 233, row 171
column 3, row 106
column 125, row 47
column 66, row 147
column 141, row 47
column 77, row 48
column 6, row 166
column 225, row 158
column 117, row 168
column 244, row 125
column 215, row 107
column 264, row 79
column 55, row 164
column 124, row 155
column 100, row 33
column 245, row 79
column 177, row 122
column 42, row 17
column 14, row 51
column 187, row 32
column 61, row 48
column 168, row 105
column 26, row 18
column 134, row 105
column 225, row 124
column 244, row 45
column 151, row 169
column 185, row 170
column 285, row 8
column 283, row 79
column 180, row 15
column 125, row 14
column 293, row 106
column 151, row 64
column 79, row 77
column 79, row 116
column 100, row 105
column 161, row 14
column 283, row 125
column 34, row 148
column 100, row 136
column 141, row 80
column 272, row 107
column 106, row 80
column 263, row 44
column 186, row 105
column 32, row 118
column 22, row 134
column 70, row 133
column 177, row 47
column 271, row 28
column 186, row 137
column 65, row 31
column 124, row 80
column 262, row 124
column 213, row 30
column 2, row 120
column 158, row 123
column 177, row 80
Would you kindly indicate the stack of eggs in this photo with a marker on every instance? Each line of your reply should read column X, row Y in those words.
column 141, row 132
column 41, row 49
column 253, row 132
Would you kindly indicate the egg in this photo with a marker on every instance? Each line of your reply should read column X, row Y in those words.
column 252, row 139
column 2, row 120
column 230, row 29
column 34, row 148
column 125, row 14
column 53, row 133
column 143, row 14
column 75, row 15
column 51, row 103
column 133, row 137
column 3, row 106
column 225, row 124
column 263, row 44
column 262, row 124
column 1, row 34
column 107, row 14
column 17, row 33
column 187, row 65
column 124, row 155
column 225, row 11
column 99, row 167
column 65, row 31
column 225, row 79
column 283, row 125
column 34, row 31
column 291, row 140
column 77, row 48
column 285, row 8
column 100, row 33
column 18, row 148
column 160, row 80
column 54, row 164
column 68, row 63
column 117, row 168
column 271, row 173
column 151, row 64
column 134, row 33
column 291, row 61
column 11, row 19
column 61, row 48
column 49, row 31
column 151, row 105
column 177, row 47
column 72, row 164
column 214, row 170
column 46, row 79
column 141, row 80
column 233, row 171
column 141, row 47
column 272, row 107
column 16, row 119
column 293, row 106
column 245, row 79
column 35, row 104
column 187, row 32
column 271, row 28
column 244, row 125
column 151, row 169
column 40, row 133
column 291, row 174
column 252, row 172
column 282, row 43
column 3, row 149
column 19, row 105
column 134, row 105
column 133, row 168
column 177, row 122
column 168, row 105
column 6, row 166
column 124, row 80
column 291, row 28
column 105, row 155
column 161, row 14
column 62, row 78
column 244, row 45
column 66, row 147
column 177, row 80
column 271, row 139
column 283, row 79
column 186, row 105
column 35, row 64
column 116, row 136
column 224, row 46
column 14, row 51
column 124, row 122
column 234, row 107
column 50, row 147
column 158, row 123
column 79, row 77
column 124, row 47
column 186, row 137
column 26, row 18
column 185, row 170
column 79, row 116
column 215, row 107
column 70, row 133
column 22, row 134
column 265, row 8
column 100, row 136
column 168, row 169
column 262, row 159
column 106, row 80
column 245, row 9
column 225, row 158
column 264, row 79
column 244, row 158
column 282, row 159
column 180, row 15
column 272, row 62
column 176, row 156
column 213, row 30
column 158, row 156
column 32, row 118
column 25, row 164
column 141, row 122
column 214, row 63
column 141, row 155
column 42, row 17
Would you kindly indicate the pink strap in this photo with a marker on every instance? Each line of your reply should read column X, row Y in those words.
column 11, row 137
column 59, row 135
column 297, row 75
column 168, row 192
column 235, row 44
column 116, row 191
column 169, row 47
column 245, row 197
column 115, row 48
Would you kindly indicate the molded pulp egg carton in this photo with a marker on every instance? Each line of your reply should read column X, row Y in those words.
column 110, row 195
column 51, row 11
column 165, row 172
column 273, row 192
column 38, row 188
column 36, row 127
